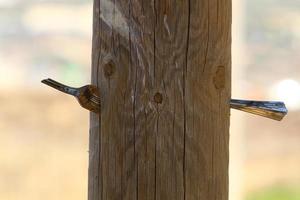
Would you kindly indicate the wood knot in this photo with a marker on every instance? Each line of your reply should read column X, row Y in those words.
column 219, row 78
column 109, row 69
column 158, row 98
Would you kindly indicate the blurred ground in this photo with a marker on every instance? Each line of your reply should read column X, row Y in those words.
column 272, row 152
column 44, row 146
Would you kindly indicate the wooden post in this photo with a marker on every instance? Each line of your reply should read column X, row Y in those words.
column 163, row 68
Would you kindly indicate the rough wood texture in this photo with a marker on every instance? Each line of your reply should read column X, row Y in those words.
column 163, row 68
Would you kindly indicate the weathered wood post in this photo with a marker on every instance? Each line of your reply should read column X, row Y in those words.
column 163, row 68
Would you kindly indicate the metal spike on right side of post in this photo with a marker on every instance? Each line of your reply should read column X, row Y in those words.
column 275, row 110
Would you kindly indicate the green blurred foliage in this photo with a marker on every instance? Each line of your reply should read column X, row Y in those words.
column 276, row 193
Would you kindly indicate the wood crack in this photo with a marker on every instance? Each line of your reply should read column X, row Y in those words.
column 208, row 38
column 184, row 97
column 154, row 79
column 155, row 158
column 99, row 173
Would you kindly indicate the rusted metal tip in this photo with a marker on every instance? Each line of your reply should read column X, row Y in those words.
column 88, row 96
column 275, row 110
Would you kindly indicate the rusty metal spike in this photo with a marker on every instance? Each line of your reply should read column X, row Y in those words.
column 88, row 96
column 270, row 109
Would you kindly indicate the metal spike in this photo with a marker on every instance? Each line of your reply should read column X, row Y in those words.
column 271, row 109
column 61, row 87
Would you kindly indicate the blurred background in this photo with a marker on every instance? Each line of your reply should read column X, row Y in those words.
column 44, row 134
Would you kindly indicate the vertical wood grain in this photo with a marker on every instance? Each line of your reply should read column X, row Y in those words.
column 163, row 70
